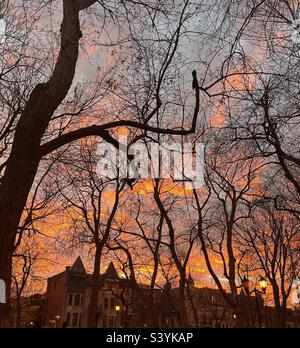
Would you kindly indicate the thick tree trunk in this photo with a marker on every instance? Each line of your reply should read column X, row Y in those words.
column 18, row 314
column 25, row 155
column 280, row 306
column 281, row 317
column 194, row 310
column 14, row 190
column 183, row 321
column 152, row 322
column 92, row 311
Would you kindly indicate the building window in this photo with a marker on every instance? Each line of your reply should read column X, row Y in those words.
column 68, row 319
column 112, row 303
column 204, row 318
column 77, row 300
column 106, row 302
column 70, row 300
column 75, row 319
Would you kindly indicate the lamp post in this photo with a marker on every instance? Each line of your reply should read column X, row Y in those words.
column 57, row 317
column 263, row 283
column 117, row 308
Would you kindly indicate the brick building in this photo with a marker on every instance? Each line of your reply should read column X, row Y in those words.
column 123, row 303
column 68, row 295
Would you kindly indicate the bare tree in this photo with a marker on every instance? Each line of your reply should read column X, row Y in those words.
column 220, row 206
column 33, row 138
column 25, row 259
column 271, row 239
column 92, row 213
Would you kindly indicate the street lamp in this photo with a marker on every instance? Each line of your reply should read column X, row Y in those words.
column 263, row 284
column 117, row 308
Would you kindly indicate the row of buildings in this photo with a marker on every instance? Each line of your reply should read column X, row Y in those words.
column 121, row 304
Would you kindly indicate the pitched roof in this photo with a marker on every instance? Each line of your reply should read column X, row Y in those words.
column 78, row 266
column 111, row 272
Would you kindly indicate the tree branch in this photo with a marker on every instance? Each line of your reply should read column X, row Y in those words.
column 102, row 130
column 84, row 4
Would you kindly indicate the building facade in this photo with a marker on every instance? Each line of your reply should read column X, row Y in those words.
column 123, row 303
column 68, row 296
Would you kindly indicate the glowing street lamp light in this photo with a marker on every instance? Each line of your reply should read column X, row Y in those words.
column 263, row 283
column 118, row 308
